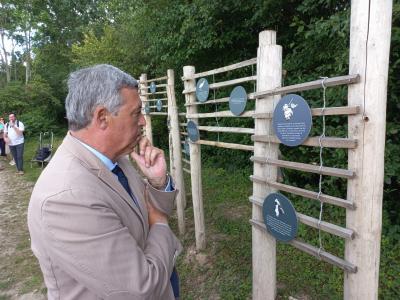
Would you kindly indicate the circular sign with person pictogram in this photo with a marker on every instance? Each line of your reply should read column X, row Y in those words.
column 280, row 217
column 292, row 120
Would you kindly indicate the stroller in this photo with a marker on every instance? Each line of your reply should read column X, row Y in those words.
column 44, row 150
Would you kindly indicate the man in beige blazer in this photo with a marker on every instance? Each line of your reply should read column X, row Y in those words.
column 98, row 229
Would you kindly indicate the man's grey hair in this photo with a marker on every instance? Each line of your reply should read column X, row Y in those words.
column 94, row 86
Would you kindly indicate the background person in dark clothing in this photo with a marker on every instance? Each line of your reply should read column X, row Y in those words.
column 2, row 142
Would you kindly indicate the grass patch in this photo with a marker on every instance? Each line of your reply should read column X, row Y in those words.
column 223, row 269
column 33, row 170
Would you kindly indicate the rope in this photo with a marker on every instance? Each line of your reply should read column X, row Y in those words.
column 216, row 109
column 321, row 165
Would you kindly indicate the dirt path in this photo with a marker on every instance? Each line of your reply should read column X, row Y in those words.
column 20, row 276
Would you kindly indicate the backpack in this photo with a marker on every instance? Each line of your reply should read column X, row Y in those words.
column 42, row 153
column 8, row 126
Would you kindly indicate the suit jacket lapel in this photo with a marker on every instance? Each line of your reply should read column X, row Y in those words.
column 91, row 162
column 136, row 184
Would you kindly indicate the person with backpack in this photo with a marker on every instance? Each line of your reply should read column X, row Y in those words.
column 14, row 135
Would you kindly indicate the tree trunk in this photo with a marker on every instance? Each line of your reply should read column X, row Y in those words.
column 27, row 55
column 5, row 58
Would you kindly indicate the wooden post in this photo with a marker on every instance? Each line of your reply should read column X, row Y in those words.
column 269, row 71
column 195, row 164
column 176, row 151
column 143, row 91
column 369, row 56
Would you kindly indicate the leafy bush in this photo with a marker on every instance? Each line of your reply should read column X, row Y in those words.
column 34, row 104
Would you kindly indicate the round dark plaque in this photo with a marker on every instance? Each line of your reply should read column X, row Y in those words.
column 147, row 108
column 292, row 120
column 202, row 90
column 186, row 147
column 193, row 131
column 153, row 87
column 238, row 100
column 159, row 105
column 280, row 217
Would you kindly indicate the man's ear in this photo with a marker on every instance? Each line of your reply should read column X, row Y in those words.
column 100, row 117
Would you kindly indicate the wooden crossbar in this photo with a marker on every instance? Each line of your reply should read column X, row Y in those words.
column 153, row 100
column 211, row 101
column 222, row 144
column 186, row 161
column 158, row 113
column 313, row 222
column 328, row 142
column 314, row 251
column 226, row 145
column 328, row 111
column 305, row 167
column 156, row 93
column 218, row 85
column 242, row 64
column 305, row 86
column 186, row 170
column 225, row 113
column 305, row 193
column 155, row 79
column 223, row 129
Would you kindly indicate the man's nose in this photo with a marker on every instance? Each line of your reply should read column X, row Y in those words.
column 142, row 120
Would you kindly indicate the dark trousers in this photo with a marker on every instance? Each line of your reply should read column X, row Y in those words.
column 2, row 147
column 17, row 152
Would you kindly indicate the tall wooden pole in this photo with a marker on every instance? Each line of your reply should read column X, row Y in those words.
column 143, row 92
column 176, row 151
column 195, row 164
column 370, row 30
column 269, row 71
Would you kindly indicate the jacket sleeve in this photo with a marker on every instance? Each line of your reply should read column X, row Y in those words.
column 88, row 241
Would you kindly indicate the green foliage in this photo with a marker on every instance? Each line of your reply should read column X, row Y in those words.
column 34, row 105
column 153, row 36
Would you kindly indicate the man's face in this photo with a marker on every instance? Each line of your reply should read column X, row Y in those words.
column 125, row 127
column 11, row 118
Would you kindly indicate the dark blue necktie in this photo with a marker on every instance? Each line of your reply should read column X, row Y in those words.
column 175, row 283
column 124, row 182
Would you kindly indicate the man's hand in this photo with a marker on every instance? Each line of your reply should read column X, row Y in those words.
column 151, row 162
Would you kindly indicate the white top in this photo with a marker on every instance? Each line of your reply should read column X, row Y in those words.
column 15, row 139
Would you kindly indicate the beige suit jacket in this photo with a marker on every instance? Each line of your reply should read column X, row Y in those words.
column 91, row 240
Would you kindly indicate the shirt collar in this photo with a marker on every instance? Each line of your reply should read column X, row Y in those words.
column 106, row 161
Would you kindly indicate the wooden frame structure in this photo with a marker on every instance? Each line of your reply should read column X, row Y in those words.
column 189, row 77
column 365, row 144
column 175, row 152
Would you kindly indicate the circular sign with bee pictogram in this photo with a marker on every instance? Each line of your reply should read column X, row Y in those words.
column 292, row 120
